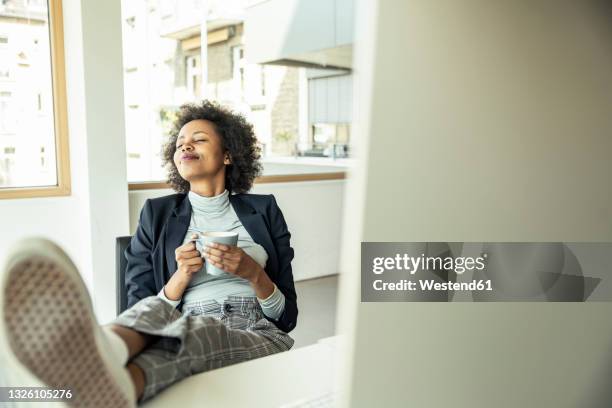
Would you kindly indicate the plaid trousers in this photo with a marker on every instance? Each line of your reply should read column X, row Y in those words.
column 205, row 336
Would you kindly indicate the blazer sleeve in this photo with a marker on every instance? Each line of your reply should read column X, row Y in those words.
column 284, row 281
column 139, row 278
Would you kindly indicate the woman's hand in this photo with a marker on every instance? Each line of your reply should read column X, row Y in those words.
column 189, row 262
column 188, row 259
column 232, row 259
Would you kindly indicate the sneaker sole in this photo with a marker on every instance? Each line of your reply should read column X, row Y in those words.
column 51, row 328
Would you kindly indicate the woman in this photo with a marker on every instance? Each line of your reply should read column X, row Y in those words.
column 180, row 320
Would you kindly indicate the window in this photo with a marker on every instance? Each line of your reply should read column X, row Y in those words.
column 163, row 69
column 194, row 76
column 329, row 140
column 329, row 114
column 33, row 129
column 250, row 78
column 238, row 70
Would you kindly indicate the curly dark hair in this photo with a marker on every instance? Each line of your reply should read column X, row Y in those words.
column 237, row 138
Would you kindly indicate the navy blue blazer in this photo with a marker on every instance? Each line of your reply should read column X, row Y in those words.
column 163, row 226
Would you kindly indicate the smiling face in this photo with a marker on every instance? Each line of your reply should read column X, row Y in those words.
column 199, row 152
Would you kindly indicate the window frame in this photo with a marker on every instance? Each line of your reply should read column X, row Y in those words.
column 60, row 115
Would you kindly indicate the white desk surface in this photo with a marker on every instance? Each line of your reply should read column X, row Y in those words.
column 265, row 382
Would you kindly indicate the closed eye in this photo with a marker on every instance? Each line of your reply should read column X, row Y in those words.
column 195, row 141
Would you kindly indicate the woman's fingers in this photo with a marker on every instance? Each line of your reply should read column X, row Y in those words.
column 214, row 262
column 191, row 265
column 220, row 265
column 212, row 251
column 188, row 255
column 192, row 261
column 229, row 253
column 226, row 257
column 188, row 247
column 188, row 258
column 227, row 264
column 222, row 247
column 214, row 258
column 194, row 268
column 187, row 250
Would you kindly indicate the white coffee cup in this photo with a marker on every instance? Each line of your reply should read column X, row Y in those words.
column 220, row 237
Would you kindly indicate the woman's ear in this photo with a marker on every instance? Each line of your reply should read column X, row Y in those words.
column 227, row 160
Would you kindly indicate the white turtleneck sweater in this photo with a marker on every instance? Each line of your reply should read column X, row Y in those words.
column 216, row 214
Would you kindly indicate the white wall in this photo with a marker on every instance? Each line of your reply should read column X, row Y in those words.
column 313, row 212
column 108, row 196
column 480, row 121
column 86, row 223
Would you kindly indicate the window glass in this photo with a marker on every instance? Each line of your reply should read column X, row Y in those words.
column 27, row 132
column 164, row 67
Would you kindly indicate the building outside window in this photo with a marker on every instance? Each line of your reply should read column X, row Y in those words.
column 194, row 77
column 27, row 122
column 329, row 140
column 163, row 69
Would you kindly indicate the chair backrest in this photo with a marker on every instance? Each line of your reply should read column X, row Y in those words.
column 121, row 264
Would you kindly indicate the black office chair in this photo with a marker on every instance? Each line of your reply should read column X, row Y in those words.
column 121, row 264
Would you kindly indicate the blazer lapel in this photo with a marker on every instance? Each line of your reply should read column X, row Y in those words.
column 177, row 226
column 255, row 225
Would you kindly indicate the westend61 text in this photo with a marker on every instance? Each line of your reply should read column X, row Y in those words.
column 430, row 284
